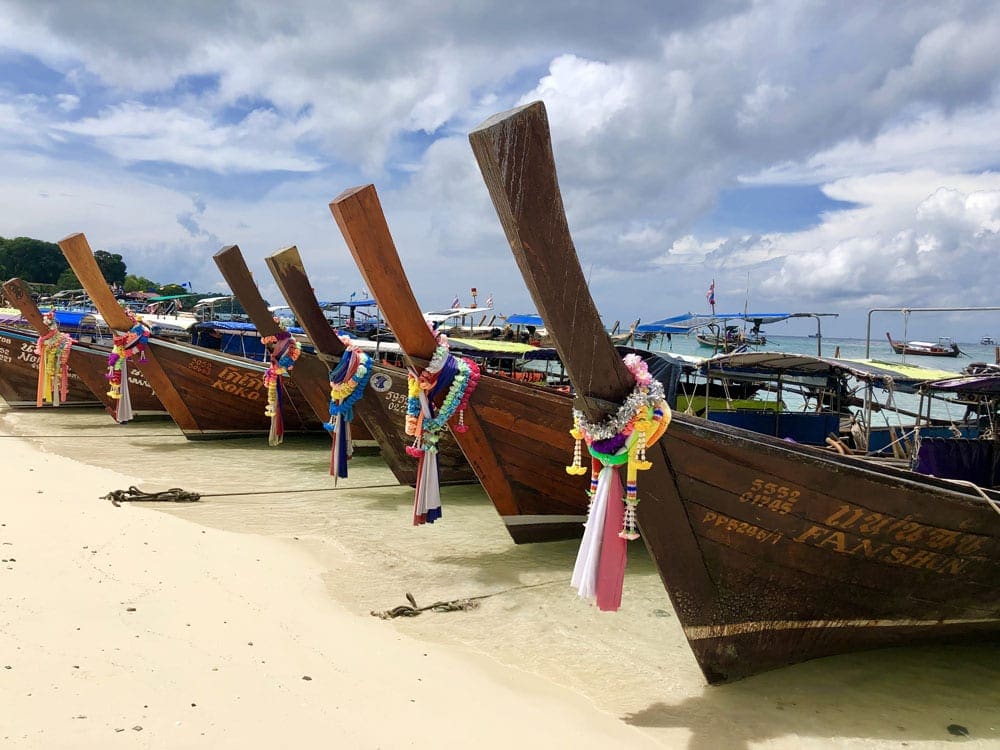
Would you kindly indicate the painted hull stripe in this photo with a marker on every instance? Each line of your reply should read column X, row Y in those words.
column 702, row 632
column 526, row 520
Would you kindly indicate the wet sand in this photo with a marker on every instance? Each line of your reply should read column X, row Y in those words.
column 327, row 558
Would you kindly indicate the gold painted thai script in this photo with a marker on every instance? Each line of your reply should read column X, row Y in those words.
column 239, row 383
column 868, row 523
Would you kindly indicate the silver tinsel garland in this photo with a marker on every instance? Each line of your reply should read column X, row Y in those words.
column 641, row 397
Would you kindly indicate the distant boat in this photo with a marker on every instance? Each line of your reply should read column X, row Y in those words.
column 987, row 341
column 944, row 347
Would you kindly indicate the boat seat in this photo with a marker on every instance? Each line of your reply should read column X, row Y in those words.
column 959, row 458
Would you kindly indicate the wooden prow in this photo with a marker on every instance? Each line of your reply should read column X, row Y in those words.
column 234, row 270
column 508, row 147
column 359, row 215
column 20, row 296
column 373, row 410
column 289, row 273
column 514, row 152
column 311, row 375
column 77, row 251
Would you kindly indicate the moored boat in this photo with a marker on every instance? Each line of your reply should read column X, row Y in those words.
column 772, row 553
column 207, row 393
column 19, row 373
column 382, row 408
column 944, row 347
column 311, row 375
column 514, row 430
column 88, row 362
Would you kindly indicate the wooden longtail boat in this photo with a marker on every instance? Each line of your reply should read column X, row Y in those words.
column 945, row 347
column 383, row 409
column 19, row 373
column 772, row 553
column 88, row 362
column 208, row 394
column 311, row 375
column 516, row 431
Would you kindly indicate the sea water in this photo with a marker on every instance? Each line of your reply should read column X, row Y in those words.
column 634, row 664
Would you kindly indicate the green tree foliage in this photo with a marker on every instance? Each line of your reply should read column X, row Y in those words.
column 67, row 280
column 135, row 283
column 31, row 259
column 112, row 266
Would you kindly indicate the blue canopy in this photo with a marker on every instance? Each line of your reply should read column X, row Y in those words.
column 689, row 321
column 525, row 320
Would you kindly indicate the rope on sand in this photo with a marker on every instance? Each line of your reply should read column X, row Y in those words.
column 454, row 605
column 178, row 495
column 173, row 495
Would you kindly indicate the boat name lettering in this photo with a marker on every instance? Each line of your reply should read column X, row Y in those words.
column 241, row 378
column 238, row 390
column 6, row 341
column 775, row 497
column 884, row 552
column 880, row 526
column 27, row 354
column 740, row 527
column 202, row 366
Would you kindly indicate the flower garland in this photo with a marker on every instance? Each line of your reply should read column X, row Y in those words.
column 347, row 384
column 284, row 351
column 53, row 349
column 621, row 439
column 456, row 378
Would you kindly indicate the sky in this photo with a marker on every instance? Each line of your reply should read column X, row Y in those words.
column 818, row 157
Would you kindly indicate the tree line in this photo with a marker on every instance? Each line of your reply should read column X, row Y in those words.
column 42, row 262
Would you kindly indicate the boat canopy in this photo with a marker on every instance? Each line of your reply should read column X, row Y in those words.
column 168, row 297
column 348, row 303
column 525, row 320
column 440, row 316
column 690, row 321
column 493, row 348
column 980, row 385
column 883, row 374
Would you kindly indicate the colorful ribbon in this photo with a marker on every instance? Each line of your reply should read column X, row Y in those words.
column 620, row 440
column 347, row 384
column 456, row 378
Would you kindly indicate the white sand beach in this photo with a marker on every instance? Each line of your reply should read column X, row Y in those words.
column 166, row 625
column 126, row 627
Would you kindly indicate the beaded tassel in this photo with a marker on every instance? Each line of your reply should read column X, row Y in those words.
column 577, row 467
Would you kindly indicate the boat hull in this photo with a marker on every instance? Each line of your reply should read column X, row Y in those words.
column 226, row 394
column 19, row 373
column 810, row 554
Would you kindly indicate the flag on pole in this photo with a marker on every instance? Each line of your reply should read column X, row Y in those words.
column 489, row 300
column 710, row 294
column 454, row 302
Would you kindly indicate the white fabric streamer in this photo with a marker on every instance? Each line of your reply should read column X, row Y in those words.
column 124, row 413
column 428, row 496
column 587, row 559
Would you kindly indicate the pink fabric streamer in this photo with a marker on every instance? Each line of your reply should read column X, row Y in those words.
column 614, row 550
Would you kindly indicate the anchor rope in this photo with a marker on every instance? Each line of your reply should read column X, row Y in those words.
column 452, row 605
column 180, row 495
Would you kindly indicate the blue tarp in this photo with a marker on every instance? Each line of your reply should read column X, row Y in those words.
column 525, row 320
